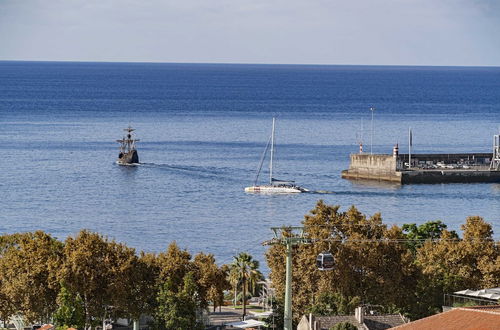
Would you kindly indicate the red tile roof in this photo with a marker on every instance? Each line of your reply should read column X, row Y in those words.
column 46, row 327
column 464, row 318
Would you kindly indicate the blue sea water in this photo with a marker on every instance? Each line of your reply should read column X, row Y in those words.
column 203, row 128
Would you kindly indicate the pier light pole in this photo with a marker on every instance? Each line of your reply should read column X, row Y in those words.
column 289, row 237
column 372, row 109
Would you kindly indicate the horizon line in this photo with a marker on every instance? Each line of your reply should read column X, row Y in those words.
column 251, row 63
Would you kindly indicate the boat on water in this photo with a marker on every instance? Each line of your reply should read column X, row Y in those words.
column 128, row 154
column 275, row 186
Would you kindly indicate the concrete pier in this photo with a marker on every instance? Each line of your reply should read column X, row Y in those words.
column 372, row 167
column 424, row 168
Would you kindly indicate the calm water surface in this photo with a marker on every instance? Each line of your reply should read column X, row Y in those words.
column 203, row 129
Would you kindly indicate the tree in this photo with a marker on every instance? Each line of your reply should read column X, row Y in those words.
column 184, row 290
column 452, row 264
column 178, row 307
column 246, row 269
column 7, row 308
column 29, row 264
column 331, row 303
column 70, row 312
column 140, row 297
column 277, row 317
column 211, row 279
column 101, row 273
column 429, row 230
column 368, row 263
column 173, row 265
column 460, row 263
column 233, row 277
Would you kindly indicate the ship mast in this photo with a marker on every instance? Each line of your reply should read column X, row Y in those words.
column 272, row 156
column 128, row 142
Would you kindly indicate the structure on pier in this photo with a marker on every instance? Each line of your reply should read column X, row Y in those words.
column 426, row 168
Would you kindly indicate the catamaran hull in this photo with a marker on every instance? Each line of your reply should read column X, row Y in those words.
column 129, row 158
column 274, row 190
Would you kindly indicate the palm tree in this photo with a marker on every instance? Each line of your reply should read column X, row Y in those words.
column 234, row 279
column 245, row 269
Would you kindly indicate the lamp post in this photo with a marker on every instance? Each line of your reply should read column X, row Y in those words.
column 372, row 109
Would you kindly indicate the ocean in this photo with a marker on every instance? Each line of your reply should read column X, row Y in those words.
column 202, row 130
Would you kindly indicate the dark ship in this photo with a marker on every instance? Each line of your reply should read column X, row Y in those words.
column 128, row 155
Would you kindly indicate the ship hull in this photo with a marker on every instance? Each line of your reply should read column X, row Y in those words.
column 129, row 158
column 275, row 189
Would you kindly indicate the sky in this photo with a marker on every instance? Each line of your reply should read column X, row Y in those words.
column 358, row 32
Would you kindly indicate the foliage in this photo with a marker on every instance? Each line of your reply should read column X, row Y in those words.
column 428, row 230
column 29, row 263
column 212, row 280
column 373, row 262
column 277, row 317
column 376, row 270
column 245, row 271
column 331, row 303
column 102, row 273
column 43, row 278
column 177, row 307
column 7, row 307
column 70, row 312
column 344, row 326
column 173, row 268
column 465, row 304
column 456, row 264
column 89, row 278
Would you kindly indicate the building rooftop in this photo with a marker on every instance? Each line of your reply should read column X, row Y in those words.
column 464, row 318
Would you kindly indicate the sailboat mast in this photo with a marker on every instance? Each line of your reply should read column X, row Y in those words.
column 272, row 156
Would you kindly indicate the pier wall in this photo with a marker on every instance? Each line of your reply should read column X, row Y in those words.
column 450, row 176
column 372, row 167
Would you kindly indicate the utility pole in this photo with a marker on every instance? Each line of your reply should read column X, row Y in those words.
column 372, row 109
column 289, row 237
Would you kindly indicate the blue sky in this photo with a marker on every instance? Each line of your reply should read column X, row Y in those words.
column 371, row 32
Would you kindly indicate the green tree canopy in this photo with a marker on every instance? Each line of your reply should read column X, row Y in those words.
column 178, row 306
column 70, row 312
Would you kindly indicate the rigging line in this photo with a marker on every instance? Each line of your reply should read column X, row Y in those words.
column 256, row 244
column 262, row 160
column 354, row 224
column 344, row 223
column 457, row 240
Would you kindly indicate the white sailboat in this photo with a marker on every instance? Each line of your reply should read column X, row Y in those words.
column 275, row 186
